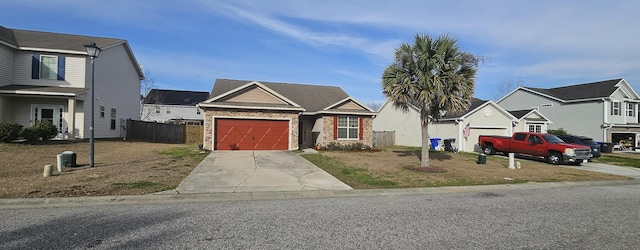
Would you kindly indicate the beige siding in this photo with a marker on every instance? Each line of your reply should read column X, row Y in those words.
column 117, row 85
column 350, row 106
column 6, row 65
column 253, row 95
column 405, row 124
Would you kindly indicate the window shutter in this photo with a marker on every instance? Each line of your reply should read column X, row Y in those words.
column 335, row 127
column 61, row 61
column 35, row 66
column 360, row 128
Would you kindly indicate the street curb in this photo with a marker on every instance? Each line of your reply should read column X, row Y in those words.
column 172, row 197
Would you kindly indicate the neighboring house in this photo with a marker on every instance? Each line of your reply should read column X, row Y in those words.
column 173, row 106
column 481, row 118
column 606, row 111
column 282, row 116
column 530, row 120
column 47, row 76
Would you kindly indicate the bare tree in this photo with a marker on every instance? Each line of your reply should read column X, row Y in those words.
column 506, row 86
column 374, row 105
column 146, row 86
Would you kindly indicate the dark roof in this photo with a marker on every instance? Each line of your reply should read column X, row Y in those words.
column 175, row 97
column 519, row 113
column 581, row 91
column 313, row 98
column 56, row 41
column 475, row 103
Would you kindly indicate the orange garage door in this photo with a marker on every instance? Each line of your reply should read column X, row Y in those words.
column 242, row 134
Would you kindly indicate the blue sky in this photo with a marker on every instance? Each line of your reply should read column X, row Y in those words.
column 187, row 44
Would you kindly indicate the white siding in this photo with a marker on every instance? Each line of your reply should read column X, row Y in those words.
column 6, row 65
column 406, row 125
column 176, row 112
column 117, row 85
column 74, row 71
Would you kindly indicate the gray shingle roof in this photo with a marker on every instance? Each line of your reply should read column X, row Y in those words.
column 313, row 98
column 175, row 97
column 519, row 113
column 55, row 41
column 581, row 91
column 475, row 103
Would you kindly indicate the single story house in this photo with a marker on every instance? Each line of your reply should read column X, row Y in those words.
column 481, row 118
column 258, row 115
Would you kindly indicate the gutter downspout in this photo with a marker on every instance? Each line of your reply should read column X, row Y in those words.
column 606, row 124
column 460, row 137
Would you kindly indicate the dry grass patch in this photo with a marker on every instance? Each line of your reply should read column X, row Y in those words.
column 121, row 168
column 461, row 169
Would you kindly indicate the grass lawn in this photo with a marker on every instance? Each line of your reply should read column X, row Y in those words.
column 121, row 168
column 620, row 159
column 387, row 169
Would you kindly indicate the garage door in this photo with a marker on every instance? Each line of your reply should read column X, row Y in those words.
column 242, row 134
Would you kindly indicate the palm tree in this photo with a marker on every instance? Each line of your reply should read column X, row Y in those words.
column 435, row 76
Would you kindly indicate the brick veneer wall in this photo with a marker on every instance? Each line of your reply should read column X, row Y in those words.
column 209, row 114
column 367, row 133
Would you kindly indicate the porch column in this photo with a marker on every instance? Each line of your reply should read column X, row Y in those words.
column 71, row 118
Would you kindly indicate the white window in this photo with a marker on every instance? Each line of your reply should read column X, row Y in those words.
column 157, row 110
column 49, row 67
column 630, row 110
column 168, row 110
column 348, row 127
column 113, row 119
column 535, row 128
column 102, row 111
column 615, row 108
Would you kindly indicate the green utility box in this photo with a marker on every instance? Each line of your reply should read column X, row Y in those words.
column 69, row 159
column 482, row 159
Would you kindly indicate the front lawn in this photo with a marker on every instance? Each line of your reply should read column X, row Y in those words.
column 386, row 169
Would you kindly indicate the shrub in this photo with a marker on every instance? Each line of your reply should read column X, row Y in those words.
column 46, row 129
column 559, row 131
column 30, row 134
column 335, row 146
column 9, row 131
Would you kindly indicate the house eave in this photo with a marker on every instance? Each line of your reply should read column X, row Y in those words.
column 210, row 105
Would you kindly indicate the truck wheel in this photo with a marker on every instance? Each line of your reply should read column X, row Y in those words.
column 489, row 150
column 554, row 158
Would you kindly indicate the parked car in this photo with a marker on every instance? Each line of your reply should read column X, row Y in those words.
column 583, row 140
column 548, row 146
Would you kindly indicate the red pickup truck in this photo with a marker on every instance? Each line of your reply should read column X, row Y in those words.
column 552, row 148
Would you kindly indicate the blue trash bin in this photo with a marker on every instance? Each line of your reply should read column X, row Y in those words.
column 434, row 143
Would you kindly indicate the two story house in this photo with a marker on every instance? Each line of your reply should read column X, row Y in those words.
column 606, row 111
column 47, row 76
column 173, row 106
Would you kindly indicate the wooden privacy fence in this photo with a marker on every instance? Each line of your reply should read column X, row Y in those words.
column 164, row 132
column 384, row 138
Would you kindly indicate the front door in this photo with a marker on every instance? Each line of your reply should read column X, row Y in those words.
column 50, row 113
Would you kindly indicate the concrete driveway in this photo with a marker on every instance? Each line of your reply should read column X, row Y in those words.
column 257, row 171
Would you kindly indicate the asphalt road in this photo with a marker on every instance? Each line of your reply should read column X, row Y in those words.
column 587, row 217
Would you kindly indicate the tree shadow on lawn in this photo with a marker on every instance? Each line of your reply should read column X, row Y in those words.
column 433, row 155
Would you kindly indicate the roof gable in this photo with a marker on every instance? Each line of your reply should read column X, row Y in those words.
column 313, row 98
column 61, row 43
column 581, row 92
column 529, row 115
